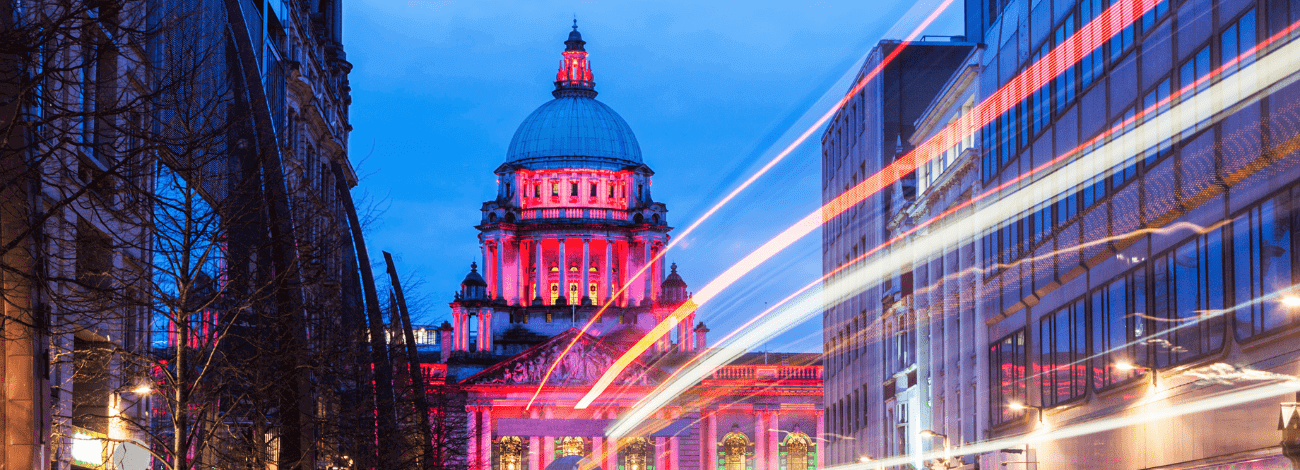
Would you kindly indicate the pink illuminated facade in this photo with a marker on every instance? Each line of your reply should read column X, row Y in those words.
column 574, row 230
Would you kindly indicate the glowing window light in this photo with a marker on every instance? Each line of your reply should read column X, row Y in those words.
column 87, row 449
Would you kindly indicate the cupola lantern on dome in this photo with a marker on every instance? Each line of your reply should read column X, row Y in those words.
column 574, row 77
column 574, row 130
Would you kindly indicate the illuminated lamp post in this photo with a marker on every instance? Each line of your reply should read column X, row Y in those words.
column 1021, row 406
column 947, row 452
column 1128, row 366
column 865, row 459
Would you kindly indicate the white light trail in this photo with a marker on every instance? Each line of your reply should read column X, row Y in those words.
column 1267, row 73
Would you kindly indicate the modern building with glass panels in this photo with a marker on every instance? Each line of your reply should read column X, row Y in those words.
column 1090, row 259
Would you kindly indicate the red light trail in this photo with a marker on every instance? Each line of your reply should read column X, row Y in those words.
column 689, row 370
column 1096, row 33
column 677, row 314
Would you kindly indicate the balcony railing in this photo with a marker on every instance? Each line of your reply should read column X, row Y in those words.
column 766, row 372
column 574, row 213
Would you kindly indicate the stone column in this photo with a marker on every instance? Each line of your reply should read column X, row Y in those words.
column 661, row 453
column 473, row 437
column 657, row 271
column 606, row 273
column 627, row 275
column 774, row 440
column 499, row 259
column 563, row 264
column 820, row 439
column 760, row 444
column 674, row 447
column 611, row 458
column 548, row 442
column 710, row 450
column 521, row 280
column 585, row 267
column 485, row 431
column 455, row 333
column 649, row 271
column 597, row 447
column 540, row 267
column 485, row 331
column 534, row 447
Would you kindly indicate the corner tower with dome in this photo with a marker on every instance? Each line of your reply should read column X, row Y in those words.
column 573, row 228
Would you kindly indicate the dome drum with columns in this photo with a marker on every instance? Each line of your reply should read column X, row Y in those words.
column 573, row 228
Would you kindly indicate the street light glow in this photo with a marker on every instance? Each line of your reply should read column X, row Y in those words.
column 142, row 390
column 1125, row 366
column 1291, row 301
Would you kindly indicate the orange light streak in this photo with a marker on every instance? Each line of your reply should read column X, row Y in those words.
column 1063, row 156
column 732, row 195
column 1096, row 33
column 769, row 249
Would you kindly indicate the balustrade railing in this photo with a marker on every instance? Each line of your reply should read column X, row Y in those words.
column 574, row 213
column 767, row 372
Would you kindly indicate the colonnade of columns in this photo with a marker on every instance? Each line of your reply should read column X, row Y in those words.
column 497, row 263
column 767, row 438
column 461, row 319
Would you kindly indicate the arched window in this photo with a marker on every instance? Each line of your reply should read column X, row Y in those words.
column 635, row 454
column 734, row 453
column 796, row 451
column 571, row 446
column 511, row 452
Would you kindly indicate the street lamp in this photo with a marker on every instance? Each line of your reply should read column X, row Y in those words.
column 865, row 459
column 1291, row 301
column 143, row 389
column 946, row 451
column 1128, row 366
column 1021, row 406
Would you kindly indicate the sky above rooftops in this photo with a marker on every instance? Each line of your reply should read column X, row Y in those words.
column 711, row 90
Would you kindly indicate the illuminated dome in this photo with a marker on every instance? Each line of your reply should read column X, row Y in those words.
column 574, row 130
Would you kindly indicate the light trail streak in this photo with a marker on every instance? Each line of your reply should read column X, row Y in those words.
column 1096, row 33
column 1211, row 403
column 754, row 259
column 1273, row 71
column 830, row 113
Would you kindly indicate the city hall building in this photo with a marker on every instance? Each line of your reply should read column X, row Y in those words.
column 574, row 228
column 1099, row 273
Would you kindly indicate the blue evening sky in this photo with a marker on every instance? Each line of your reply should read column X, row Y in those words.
column 712, row 91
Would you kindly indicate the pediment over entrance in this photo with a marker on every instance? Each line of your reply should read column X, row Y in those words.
column 582, row 365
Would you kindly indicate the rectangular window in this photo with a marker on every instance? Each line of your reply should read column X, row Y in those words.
column 1237, row 41
column 1154, row 15
column 1196, row 67
column 1093, row 64
column 94, row 257
column 611, row 191
column 1117, row 326
column 1062, row 353
column 1007, row 376
column 1064, row 84
column 1158, row 96
column 555, row 189
column 573, row 189
column 594, row 188
column 1188, row 298
column 1263, row 263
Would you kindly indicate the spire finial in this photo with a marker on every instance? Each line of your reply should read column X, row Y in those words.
column 674, row 267
column 575, row 21
column 473, row 267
